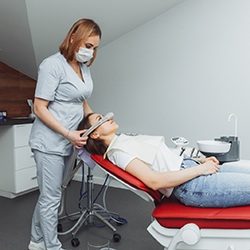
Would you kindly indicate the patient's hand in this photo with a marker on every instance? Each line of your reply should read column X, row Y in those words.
column 212, row 158
column 210, row 166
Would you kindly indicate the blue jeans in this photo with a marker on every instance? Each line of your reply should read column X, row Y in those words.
column 228, row 188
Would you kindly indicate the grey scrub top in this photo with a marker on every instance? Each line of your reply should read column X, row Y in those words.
column 60, row 85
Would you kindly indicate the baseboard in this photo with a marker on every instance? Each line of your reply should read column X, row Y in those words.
column 11, row 195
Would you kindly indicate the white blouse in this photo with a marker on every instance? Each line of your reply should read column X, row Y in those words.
column 152, row 150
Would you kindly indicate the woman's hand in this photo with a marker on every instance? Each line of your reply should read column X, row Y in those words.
column 74, row 136
column 212, row 158
column 210, row 166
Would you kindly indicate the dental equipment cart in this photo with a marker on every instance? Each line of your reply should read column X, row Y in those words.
column 90, row 212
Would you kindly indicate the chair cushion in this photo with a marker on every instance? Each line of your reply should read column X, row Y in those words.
column 171, row 213
column 126, row 177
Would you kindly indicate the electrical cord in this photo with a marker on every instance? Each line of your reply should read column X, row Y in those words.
column 83, row 192
column 110, row 216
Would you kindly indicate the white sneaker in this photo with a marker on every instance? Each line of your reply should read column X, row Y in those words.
column 36, row 246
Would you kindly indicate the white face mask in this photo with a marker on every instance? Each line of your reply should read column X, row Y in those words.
column 84, row 54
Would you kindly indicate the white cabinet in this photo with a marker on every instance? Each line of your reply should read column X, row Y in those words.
column 17, row 165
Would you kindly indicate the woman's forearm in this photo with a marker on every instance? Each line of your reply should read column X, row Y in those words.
column 170, row 179
column 176, row 178
column 42, row 112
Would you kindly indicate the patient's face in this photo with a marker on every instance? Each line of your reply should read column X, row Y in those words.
column 108, row 127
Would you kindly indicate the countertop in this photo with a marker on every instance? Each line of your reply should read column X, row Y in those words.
column 16, row 120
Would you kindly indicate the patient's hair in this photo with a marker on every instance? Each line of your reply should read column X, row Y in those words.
column 93, row 146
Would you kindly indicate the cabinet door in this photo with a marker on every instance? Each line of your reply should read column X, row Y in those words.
column 21, row 135
column 24, row 158
column 25, row 179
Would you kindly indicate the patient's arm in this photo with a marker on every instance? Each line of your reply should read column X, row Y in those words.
column 171, row 179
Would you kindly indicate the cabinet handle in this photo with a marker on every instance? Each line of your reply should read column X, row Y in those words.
column 33, row 178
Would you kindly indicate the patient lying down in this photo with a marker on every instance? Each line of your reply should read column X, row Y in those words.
column 200, row 182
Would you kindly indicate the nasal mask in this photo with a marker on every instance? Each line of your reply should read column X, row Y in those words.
column 84, row 55
column 107, row 117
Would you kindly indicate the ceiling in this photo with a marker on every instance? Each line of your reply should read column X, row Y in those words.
column 31, row 30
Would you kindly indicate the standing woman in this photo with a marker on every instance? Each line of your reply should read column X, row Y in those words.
column 64, row 83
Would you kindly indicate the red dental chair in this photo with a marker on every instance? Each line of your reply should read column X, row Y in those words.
column 179, row 227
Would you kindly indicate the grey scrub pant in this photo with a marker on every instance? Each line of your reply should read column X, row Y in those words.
column 50, row 172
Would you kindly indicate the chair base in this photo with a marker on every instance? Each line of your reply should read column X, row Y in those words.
column 191, row 237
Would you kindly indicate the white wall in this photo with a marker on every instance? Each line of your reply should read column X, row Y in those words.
column 180, row 74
